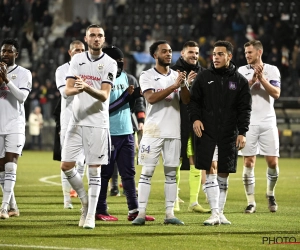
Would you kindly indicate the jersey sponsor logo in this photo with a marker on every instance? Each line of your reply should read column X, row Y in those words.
column 3, row 95
column 80, row 64
column 175, row 91
column 232, row 85
column 88, row 77
column 110, row 76
column 210, row 82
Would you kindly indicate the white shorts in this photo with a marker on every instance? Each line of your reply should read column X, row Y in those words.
column 261, row 140
column 12, row 143
column 150, row 149
column 95, row 142
column 216, row 154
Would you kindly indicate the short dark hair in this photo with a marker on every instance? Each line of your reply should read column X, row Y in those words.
column 154, row 46
column 226, row 44
column 72, row 44
column 11, row 41
column 93, row 26
column 190, row 44
column 255, row 43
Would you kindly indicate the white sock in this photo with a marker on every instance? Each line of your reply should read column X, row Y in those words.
column 66, row 187
column 223, row 186
column 2, row 174
column 144, row 188
column 213, row 192
column 9, row 183
column 249, row 184
column 94, row 188
column 170, row 191
column 77, row 184
column 272, row 176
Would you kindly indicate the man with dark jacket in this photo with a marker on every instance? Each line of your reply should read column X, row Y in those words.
column 220, row 107
column 188, row 62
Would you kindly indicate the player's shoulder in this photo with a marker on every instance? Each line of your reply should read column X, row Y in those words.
column 19, row 70
column 148, row 72
column 244, row 68
column 270, row 67
column 62, row 68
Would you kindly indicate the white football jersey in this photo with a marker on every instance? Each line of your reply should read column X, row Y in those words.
column 12, row 114
column 87, row 110
column 66, row 101
column 262, row 103
column 163, row 117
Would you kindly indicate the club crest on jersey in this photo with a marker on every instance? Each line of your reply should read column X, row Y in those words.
column 13, row 76
column 232, row 85
column 100, row 66
column 110, row 76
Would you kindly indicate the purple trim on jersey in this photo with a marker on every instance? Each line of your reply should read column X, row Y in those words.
column 61, row 86
column 148, row 89
column 108, row 82
column 111, row 106
column 87, row 55
column 26, row 89
column 73, row 77
column 161, row 73
column 13, row 69
column 275, row 83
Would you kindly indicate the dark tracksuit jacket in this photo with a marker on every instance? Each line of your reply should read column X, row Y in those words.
column 221, row 100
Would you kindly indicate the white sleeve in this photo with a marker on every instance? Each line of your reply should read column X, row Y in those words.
column 60, row 79
column 22, row 91
column 110, row 73
column 145, row 81
column 276, row 79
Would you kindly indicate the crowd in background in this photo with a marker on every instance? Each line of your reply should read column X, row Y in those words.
column 135, row 25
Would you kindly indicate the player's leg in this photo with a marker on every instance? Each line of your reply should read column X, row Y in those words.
column 149, row 152
column 213, row 191
column 106, row 173
column 194, row 181
column 71, row 149
column 223, row 186
column 170, row 153
column 249, row 152
column 114, row 188
column 13, row 145
column 66, row 187
column 97, row 154
column 269, row 146
column 177, row 201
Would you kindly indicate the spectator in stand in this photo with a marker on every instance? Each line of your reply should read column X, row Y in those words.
column 35, row 126
column 157, row 32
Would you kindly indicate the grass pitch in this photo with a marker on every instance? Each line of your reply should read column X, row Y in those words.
column 44, row 224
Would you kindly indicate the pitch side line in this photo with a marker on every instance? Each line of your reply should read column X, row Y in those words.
column 46, row 180
column 50, row 247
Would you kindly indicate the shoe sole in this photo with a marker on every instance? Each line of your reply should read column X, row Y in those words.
column 211, row 224
column 199, row 211
column 138, row 222
column 173, row 222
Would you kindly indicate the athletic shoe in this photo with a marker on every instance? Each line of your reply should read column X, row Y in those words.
column 84, row 210
column 198, row 209
column 138, row 221
column 214, row 219
column 106, row 217
column 89, row 222
column 250, row 209
column 132, row 217
column 13, row 212
column 223, row 220
column 3, row 214
column 73, row 193
column 173, row 221
column 68, row 205
column 176, row 205
column 114, row 192
column 272, row 203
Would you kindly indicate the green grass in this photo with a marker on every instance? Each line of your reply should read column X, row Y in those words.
column 44, row 224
